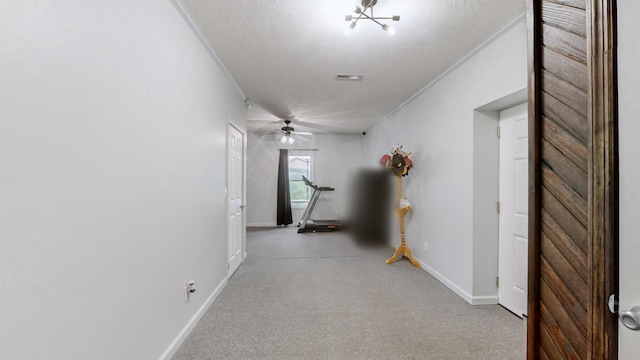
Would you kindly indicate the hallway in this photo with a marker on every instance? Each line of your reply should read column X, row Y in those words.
column 317, row 296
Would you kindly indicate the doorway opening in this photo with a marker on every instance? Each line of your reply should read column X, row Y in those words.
column 486, row 197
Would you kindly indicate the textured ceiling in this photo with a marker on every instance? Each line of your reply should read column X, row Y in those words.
column 285, row 54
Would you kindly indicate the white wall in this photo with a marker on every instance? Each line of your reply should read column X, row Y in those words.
column 629, row 130
column 338, row 156
column 112, row 141
column 438, row 126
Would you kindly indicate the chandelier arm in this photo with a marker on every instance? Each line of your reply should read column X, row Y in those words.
column 373, row 19
column 360, row 17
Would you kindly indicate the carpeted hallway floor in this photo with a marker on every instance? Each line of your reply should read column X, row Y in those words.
column 317, row 296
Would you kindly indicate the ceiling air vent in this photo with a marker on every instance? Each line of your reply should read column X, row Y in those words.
column 349, row 77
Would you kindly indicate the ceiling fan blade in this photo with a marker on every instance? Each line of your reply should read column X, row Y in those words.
column 261, row 126
column 264, row 123
column 303, row 133
column 301, row 138
column 326, row 128
column 270, row 133
column 278, row 110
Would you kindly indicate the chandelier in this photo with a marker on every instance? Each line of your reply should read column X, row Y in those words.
column 362, row 14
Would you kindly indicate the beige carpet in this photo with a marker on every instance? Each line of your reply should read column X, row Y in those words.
column 317, row 296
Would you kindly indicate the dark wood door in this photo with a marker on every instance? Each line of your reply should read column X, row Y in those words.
column 572, row 179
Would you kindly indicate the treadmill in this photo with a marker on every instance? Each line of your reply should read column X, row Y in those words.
column 310, row 225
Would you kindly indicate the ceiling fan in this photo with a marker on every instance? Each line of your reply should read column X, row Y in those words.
column 289, row 134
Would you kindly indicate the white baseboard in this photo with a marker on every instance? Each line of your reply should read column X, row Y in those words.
column 484, row 300
column 175, row 344
column 473, row 300
column 262, row 225
column 448, row 283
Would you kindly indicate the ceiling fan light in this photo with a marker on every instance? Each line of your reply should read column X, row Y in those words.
column 291, row 140
column 283, row 139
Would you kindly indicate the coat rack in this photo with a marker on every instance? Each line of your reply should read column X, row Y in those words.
column 403, row 208
column 399, row 163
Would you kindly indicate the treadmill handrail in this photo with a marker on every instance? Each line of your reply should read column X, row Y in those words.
column 316, row 187
column 308, row 182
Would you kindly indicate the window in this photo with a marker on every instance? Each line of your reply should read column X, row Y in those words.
column 299, row 165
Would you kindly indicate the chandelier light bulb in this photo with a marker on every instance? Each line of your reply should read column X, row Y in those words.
column 389, row 29
column 348, row 30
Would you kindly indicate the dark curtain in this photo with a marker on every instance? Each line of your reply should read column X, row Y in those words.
column 284, row 197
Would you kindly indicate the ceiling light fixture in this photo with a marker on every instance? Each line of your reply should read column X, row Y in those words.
column 287, row 138
column 362, row 14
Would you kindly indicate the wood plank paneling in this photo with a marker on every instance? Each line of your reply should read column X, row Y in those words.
column 568, row 223
column 569, row 199
column 580, row 4
column 543, row 355
column 557, row 272
column 548, row 344
column 565, row 169
column 566, row 44
column 568, row 145
column 555, row 316
column 572, row 179
column 562, row 345
column 569, row 249
column 566, row 93
column 565, row 17
column 603, row 179
column 569, row 119
column 566, row 68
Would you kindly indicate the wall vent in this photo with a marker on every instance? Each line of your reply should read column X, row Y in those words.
column 354, row 77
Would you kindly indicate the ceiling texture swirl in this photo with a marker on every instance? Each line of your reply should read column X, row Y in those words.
column 285, row 54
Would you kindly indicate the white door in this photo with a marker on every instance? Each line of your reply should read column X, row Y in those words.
column 629, row 162
column 513, row 218
column 235, row 204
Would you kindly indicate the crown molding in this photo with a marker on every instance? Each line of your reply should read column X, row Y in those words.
column 188, row 18
column 520, row 16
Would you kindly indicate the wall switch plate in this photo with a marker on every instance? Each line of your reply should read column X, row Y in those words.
column 189, row 289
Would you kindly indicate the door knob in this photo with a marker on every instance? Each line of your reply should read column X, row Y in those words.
column 631, row 318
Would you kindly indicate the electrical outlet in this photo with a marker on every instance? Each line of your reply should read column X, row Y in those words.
column 426, row 246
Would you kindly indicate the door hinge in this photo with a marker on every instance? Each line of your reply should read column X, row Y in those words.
column 497, row 281
column 498, row 132
column 498, row 207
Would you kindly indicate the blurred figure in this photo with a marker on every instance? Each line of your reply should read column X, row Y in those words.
column 371, row 207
